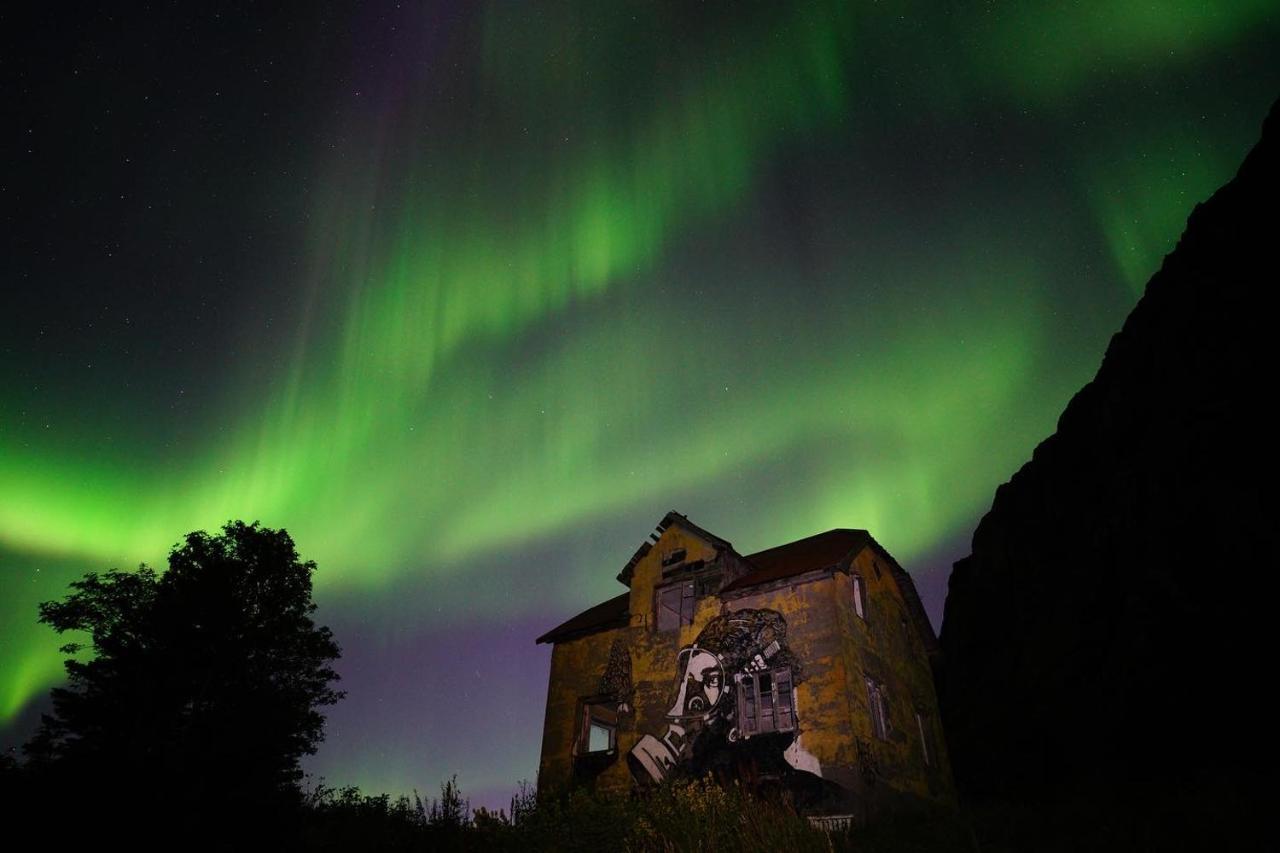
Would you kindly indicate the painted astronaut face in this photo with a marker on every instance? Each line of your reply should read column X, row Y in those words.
column 701, row 685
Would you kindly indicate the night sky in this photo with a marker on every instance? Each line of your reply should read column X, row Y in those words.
column 467, row 295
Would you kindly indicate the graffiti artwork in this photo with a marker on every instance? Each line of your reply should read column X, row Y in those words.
column 616, row 680
column 733, row 713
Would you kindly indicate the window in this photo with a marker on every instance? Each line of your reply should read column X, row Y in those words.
column 599, row 730
column 675, row 605
column 859, row 596
column 878, row 704
column 672, row 558
column 927, row 745
column 765, row 702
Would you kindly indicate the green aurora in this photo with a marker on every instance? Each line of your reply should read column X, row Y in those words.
column 785, row 270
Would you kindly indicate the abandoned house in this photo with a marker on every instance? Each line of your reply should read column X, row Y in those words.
column 804, row 668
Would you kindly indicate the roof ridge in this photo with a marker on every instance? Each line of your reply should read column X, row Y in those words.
column 806, row 539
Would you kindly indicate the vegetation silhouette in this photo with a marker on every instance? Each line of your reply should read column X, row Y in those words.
column 203, row 692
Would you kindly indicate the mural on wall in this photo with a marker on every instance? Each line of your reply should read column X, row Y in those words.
column 733, row 712
column 616, row 679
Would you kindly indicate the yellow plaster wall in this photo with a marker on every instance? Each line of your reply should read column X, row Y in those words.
column 576, row 668
column 647, row 575
column 822, row 708
column 886, row 646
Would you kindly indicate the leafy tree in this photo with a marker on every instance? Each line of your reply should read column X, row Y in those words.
column 206, row 682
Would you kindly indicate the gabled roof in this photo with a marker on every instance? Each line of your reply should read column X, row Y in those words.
column 826, row 550
column 610, row 614
column 832, row 549
column 820, row 551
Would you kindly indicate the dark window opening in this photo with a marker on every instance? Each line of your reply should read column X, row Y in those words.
column 673, row 557
column 878, row 705
column 766, row 702
column 707, row 585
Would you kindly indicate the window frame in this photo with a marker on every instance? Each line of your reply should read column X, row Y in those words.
column 751, row 701
column 598, row 712
column 688, row 594
column 878, row 706
column 859, row 595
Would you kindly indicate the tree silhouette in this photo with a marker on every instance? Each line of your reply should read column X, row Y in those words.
column 206, row 683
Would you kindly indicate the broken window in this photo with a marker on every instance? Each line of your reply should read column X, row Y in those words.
column 878, row 705
column 599, row 729
column 766, row 702
column 675, row 605
column 673, row 557
column 859, row 596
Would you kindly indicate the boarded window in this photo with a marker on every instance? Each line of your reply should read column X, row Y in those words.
column 859, row 596
column 746, row 705
column 675, row 605
column 878, row 705
column 784, row 706
column 766, row 702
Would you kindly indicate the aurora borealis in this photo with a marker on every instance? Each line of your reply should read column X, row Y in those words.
column 466, row 296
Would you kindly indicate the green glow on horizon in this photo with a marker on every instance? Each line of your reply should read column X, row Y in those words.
column 500, row 348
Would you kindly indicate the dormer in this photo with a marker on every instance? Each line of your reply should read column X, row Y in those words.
column 677, row 564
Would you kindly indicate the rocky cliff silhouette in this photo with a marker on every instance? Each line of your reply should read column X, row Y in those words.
column 1107, row 628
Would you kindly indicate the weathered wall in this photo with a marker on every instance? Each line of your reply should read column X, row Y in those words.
column 576, row 669
column 886, row 647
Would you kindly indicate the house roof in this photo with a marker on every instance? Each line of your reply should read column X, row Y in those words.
column 834, row 548
column 820, row 551
column 610, row 614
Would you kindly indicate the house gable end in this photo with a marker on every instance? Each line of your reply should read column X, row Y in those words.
column 677, row 550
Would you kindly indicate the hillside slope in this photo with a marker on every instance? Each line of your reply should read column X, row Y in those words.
column 1108, row 625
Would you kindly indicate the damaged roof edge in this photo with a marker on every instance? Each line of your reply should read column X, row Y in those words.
column 672, row 517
